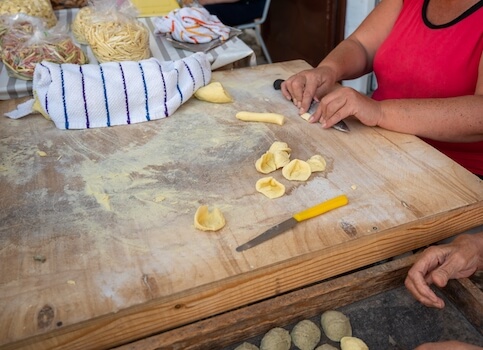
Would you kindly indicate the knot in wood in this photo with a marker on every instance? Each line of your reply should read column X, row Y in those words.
column 45, row 317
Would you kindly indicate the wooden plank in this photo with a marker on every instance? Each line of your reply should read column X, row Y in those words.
column 109, row 214
column 468, row 298
column 223, row 330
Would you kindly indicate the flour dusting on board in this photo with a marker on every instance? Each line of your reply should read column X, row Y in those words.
column 178, row 165
column 157, row 170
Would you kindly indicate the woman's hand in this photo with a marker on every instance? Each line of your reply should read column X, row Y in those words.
column 440, row 263
column 343, row 102
column 308, row 85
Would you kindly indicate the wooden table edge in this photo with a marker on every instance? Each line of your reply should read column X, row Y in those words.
column 147, row 319
column 258, row 318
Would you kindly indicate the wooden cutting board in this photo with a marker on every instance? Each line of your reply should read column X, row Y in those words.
column 97, row 239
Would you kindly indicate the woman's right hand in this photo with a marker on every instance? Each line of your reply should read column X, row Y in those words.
column 308, row 85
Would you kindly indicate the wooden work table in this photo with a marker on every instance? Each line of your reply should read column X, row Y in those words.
column 97, row 243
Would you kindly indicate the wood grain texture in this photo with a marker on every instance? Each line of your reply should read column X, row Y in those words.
column 97, row 231
column 469, row 298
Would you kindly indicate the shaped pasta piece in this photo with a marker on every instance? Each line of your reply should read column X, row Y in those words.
column 246, row 346
column 279, row 146
column 336, row 325
column 281, row 153
column 305, row 335
column 276, row 339
column 281, row 158
column 207, row 220
column 317, row 163
column 305, row 116
column 326, row 347
column 266, row 163
column 270, row 187
column 297, row 170
column 352, row 343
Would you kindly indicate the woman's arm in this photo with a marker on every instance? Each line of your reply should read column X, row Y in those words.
column 456, row 119
column 352, row 58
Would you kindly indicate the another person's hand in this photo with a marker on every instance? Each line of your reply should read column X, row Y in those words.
column 448, row 345
column 308, row 85
column 440, row 263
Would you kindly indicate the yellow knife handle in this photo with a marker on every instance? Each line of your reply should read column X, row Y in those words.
column 321, row 208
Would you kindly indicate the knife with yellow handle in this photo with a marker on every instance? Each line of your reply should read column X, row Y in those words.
column 309, row 213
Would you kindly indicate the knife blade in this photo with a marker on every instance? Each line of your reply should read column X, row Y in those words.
column 309, row 213
column 340, row 126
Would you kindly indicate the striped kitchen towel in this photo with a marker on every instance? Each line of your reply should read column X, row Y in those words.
column 114, row 93
column 193, row 25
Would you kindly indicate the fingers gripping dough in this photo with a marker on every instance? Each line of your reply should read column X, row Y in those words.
column 213, row 92
column 305, row 116
column 206, row 220
column 273, row 118
column 270, row 187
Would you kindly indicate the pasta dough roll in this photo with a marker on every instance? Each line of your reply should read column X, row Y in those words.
column 274, row 118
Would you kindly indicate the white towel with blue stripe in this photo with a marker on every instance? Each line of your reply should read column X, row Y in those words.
column 115, row 93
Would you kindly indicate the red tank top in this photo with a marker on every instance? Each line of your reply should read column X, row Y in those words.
column 422, row 60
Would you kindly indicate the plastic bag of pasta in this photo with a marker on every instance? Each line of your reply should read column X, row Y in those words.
column 112, row 31
column 25, row 42
column 35, row 8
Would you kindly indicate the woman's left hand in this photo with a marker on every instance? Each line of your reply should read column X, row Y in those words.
column 344, row 102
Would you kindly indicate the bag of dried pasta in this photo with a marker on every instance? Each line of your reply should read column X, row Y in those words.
column 25, row 42
column 80, row 24
column 35, row 8
column 112, row 31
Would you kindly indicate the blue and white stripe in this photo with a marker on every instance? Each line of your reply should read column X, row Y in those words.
column 117, row 93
